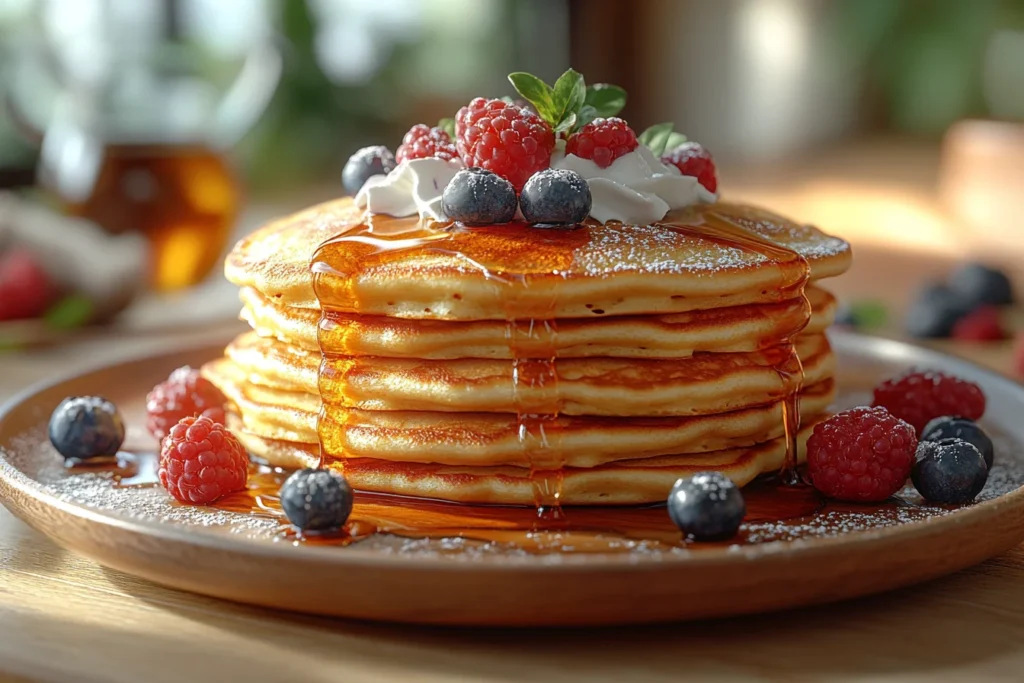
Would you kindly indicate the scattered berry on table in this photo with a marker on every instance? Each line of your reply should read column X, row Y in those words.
column 977, row 284
column 919, row 396
column 84, row 427
column 950, row 471
column 26, row 291
column 955, row 427
column 602, row 141
column 498, row 136
column 423, row 142
column 201, row 461
column 475, row 196
column 982, row 324
column 707, row 506
column 316, row 500
column 185, row 393
column 693, row 160
column 844, row 316
column 555, row 197
column 934, row 312
column 861, row 455
column 364, row 164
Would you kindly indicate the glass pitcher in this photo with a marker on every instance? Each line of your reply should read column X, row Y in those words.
column 134, row 135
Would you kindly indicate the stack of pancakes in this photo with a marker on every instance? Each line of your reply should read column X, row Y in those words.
column 508, row 363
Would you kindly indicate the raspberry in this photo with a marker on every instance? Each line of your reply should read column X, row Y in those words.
column 201, row 461
column 920, row 396
column 25, row 289
column 861, row 455
column 422, row 142
column 511, row 141
column 602, row 141
column 185, row 393
column 693, row 160
column 982, row 324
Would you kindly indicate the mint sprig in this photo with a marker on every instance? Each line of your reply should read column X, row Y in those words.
column 660, row 138
column 448, row 126
column 570, row 103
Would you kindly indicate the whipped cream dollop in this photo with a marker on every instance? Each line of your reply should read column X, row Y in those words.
column 637, row 188
column 413, row 187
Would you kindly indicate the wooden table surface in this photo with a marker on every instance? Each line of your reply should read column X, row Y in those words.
column 64, row 618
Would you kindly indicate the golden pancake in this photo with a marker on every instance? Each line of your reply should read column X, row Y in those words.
column 736, row 328
column 619, row 483
column 495, row 438
column 397, row 268
column 702, row 384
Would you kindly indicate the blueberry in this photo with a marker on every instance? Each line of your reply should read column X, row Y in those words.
column 977, row 284
column 316, row 500
column 84, row 427
column 934, row 312
column 844, row 316
column 954, row 427
column 555, row 197
column 708, row 506
column 476, row 196
column 949, row 471
column 364, row 164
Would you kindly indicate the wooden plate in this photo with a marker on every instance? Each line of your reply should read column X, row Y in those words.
column 229, row 556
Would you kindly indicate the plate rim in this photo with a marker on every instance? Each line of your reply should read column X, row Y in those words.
column 799, row 550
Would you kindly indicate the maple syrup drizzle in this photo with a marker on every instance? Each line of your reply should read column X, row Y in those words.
column 530, row 298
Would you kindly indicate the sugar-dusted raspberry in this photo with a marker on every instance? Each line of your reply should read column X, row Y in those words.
column 919, row 396
column 25, row 289
column 201, row 461
column 498, row 136
column 693, row 160
column 423, row 142
column 861, row 455
column 602, row 141
column 185, row 393
column 982, row 324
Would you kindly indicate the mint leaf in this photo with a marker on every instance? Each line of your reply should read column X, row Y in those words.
column 674, row 140
column 567, row 123
column 538, row 93
column 606, row 99
column 568, row 95
column 71, row 311
column 656, row 137
column 586, row 114
column 448, row 126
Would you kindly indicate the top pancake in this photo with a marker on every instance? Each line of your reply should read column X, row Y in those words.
column 703, row 257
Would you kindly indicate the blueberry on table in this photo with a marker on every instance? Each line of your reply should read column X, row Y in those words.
column 555, row 197
column 708, row 506
column 950, row 471
column 364, row 164
column 84, row 427
column 976, row 284
column 934, row 312
column 476, row 196
column 955, row 427
column 316, row 500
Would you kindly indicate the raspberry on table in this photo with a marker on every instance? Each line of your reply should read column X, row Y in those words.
column 26, row 291
column 498, row 136
column 602, row 141
column 201, row 461
column 423, row 142
column 693, row 160
column 919, row 396
column 861, row 455
column 185, row 393
column 982, row 324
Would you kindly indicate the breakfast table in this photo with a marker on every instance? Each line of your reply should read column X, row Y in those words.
column 65, row 618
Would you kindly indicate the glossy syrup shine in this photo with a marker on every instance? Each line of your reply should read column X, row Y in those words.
column 528, row 263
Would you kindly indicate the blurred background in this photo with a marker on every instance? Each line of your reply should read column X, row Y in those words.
column 140, row 138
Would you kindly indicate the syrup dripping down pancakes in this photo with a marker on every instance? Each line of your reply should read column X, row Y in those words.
column 517, row 365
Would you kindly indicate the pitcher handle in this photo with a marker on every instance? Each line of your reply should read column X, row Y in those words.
column 248, row 97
